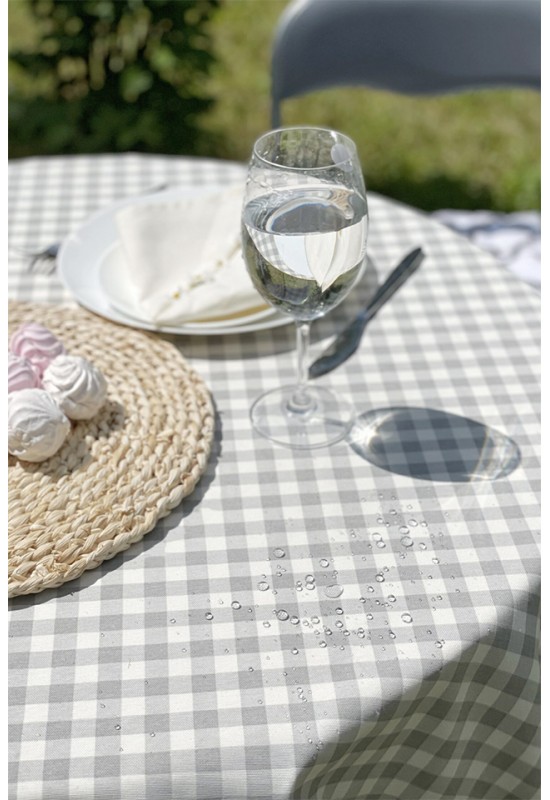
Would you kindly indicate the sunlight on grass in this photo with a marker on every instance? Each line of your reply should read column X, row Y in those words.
column 472, row 150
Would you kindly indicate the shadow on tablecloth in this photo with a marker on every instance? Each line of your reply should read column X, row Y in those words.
column 433, row 445
column 470, row 731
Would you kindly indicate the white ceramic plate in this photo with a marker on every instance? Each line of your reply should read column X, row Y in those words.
column 87, row 266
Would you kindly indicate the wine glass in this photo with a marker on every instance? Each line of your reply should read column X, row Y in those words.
column 304, row 234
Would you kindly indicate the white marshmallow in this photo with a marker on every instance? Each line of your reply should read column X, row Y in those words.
column 78, row 387
column 36, row 425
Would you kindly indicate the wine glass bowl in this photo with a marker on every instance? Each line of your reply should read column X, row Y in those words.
column 304, row 233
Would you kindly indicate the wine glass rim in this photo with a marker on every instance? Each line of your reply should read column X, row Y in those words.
column 343, row 139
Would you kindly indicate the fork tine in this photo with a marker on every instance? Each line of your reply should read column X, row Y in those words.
column 44, row 260
column 47, row 265
column 36, row 264
column 33, row 262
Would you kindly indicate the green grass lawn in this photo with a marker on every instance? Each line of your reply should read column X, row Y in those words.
column 474, row 150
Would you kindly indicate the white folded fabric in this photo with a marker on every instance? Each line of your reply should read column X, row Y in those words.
column 182, row 258
column 514, row 239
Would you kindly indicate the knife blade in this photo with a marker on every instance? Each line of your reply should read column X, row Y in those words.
column 347, row 342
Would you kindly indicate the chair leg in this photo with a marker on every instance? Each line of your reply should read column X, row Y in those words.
column 275, row 113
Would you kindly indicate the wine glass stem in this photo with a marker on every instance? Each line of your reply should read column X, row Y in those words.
column 301, row 401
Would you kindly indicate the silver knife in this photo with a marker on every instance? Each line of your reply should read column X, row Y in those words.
column 347, row 342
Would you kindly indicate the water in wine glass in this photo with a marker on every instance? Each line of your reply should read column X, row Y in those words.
column 304, row 246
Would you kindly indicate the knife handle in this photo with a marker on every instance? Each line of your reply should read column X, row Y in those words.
column 393, row 282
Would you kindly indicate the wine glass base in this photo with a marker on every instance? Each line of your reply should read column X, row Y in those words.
column 324, row 420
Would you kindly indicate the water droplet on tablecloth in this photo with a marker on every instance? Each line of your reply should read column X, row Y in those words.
column 334, row 590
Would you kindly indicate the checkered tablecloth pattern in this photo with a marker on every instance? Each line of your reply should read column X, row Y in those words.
column 354, row 622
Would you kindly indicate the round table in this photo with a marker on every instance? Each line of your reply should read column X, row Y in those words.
column 357, row 621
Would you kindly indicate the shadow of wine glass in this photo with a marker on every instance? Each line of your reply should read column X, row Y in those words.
column 433, row 445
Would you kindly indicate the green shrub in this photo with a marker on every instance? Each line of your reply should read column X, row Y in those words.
column 112, row 75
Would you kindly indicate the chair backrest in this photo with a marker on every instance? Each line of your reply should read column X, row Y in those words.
column 406, row 46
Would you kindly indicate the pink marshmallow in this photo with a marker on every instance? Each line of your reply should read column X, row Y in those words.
column 37, row 344
column 22, row 374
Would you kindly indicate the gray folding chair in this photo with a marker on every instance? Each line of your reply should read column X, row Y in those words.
column 406, row 46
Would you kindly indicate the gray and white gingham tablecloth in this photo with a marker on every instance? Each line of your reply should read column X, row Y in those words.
column 171, row 672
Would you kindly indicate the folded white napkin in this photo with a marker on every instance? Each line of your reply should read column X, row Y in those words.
column 182, row 258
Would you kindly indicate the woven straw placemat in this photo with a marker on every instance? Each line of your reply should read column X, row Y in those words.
column 117, row 474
